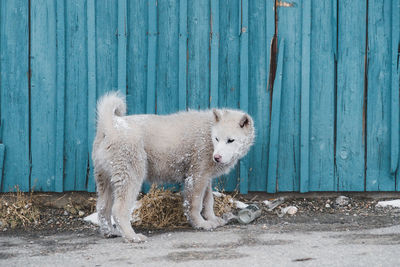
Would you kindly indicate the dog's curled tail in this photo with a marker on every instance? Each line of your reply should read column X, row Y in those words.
column 110, row 105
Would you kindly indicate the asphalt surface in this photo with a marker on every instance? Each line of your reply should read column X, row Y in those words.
column 232, row 245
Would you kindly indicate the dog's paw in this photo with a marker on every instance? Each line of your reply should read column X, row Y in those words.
column 218, row 221
column 205, row 225
column 110, row 233
column 136, row 238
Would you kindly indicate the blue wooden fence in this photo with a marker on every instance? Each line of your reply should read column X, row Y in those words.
column 320, row 78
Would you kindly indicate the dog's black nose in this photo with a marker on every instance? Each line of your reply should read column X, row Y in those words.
column 217, row 157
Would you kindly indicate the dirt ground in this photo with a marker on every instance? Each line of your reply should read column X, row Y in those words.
column 321, row 230
column 65, row 213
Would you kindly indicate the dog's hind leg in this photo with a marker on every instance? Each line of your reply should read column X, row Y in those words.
column 208, row 205
column 127, row 179
column 104, row 202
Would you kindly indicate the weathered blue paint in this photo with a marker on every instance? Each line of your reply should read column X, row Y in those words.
column 331, row 121
column 214, row 53
column 322, row 96
column 229, row 69
column 76, row 93
column 395, row 94
column 137, row 59
column 182, row 99
column 167, row 84
column 276, row 112
column 198, row 80
column 258, row 96
column 122, row 33
column 91, row 56
column 60, row 98
column 305, row 98
column 43, row 82
column 151, row 57
column 289, row 28
column 14, row 69
column 2, row 150
column 351, row 108
column 378, row 175
column 244, row 85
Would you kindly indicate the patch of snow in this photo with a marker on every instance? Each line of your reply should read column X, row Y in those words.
column 393, row 203
column 218, row 194
column 267, row 202
column 92, row 218
column 240, row 204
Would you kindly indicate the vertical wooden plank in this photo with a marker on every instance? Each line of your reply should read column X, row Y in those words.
column 244, row 85
column 43, row 95
column 264, row 103
column 258, row 97
column 290, row 28
column 350, row 80
column 76, row 112
column 14, row 53
column 378, row 176
column 305, row 97
column 167, row 84
column 122, row 19
column 91, row 57
column 137, row 56
column 229, row 68
column 151, row 57
column 322, row 96
column 214, row 68
column 183, row 54
column 395, row 94
column 2, row 150
column 106, row 33
column 198, row 54
column 214, row 71
column 273, row 163
column 60, row 101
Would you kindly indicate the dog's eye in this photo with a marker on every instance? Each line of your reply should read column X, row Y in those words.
column 216, row 139
column 230, row 140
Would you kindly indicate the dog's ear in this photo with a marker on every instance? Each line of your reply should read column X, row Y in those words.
column 244, row 121
column 217, row 115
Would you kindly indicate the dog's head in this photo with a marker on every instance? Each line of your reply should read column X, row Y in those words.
column 232, row 135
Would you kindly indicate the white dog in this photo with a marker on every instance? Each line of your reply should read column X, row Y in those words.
column 191, row 147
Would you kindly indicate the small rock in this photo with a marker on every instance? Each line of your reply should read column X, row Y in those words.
column 81, row 213
column 342, row 200
column 66, row 213
column 327, row 205
column 50, row 221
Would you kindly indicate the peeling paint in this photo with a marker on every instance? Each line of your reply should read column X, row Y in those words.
column 285, row 4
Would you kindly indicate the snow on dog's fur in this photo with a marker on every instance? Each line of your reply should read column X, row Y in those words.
column 191, row 147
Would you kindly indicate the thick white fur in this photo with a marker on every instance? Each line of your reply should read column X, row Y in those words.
column 178, row 147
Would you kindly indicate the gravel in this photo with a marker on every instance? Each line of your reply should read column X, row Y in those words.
column 323, row 213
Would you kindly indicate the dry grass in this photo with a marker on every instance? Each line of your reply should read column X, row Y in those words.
column 163, row 209
column 159, row 209
column 18, row 209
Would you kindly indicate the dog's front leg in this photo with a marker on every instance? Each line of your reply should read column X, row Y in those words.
column 209, row 207
column 195, row 188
